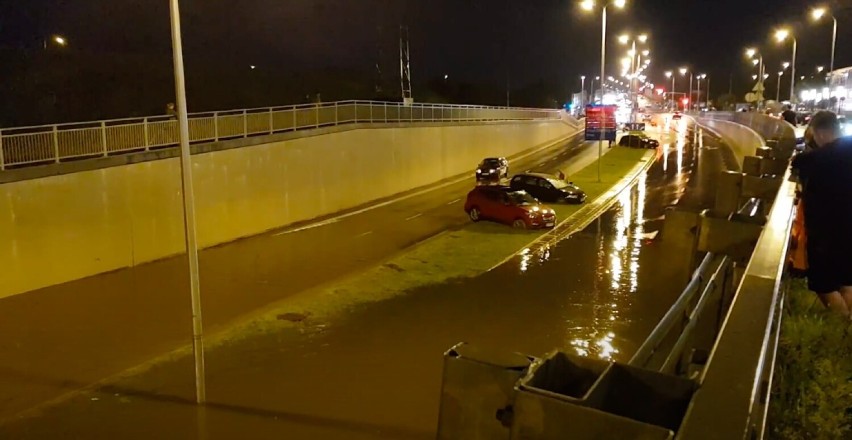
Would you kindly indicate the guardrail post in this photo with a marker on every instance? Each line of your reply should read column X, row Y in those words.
column 316, row 115
column 295, row 122
column 271, row 127
column 245, row 123
column 2, row 161
column 56, row 144
column 145, row 129
column 104, row 137
column 216, row 126
column 386, row 113
column 371, row 112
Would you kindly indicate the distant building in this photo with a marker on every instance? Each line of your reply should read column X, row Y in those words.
column 837, row 87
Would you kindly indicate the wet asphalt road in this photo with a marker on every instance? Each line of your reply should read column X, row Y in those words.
column 376, row 372
column 62, row 338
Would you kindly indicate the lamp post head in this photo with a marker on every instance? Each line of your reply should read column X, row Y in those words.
column 646, row 52
column 583, row 77
column 786, row 64
column 683, row 70
column 755, row 61
column 620, row 3
column 818, row 13
column 754, row 77
column 643, row 38
column 751, row 52
column 623, row 39
column 668, row 74
column 820, row 69
column 782, row 34
column 703, row 76
column 587, row 5
column 781, row 73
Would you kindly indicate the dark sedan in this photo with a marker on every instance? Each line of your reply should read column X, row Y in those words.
column 548, row 188
column 637, row 141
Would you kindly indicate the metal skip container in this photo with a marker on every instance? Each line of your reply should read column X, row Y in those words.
column 567, row 396
column 477, row 393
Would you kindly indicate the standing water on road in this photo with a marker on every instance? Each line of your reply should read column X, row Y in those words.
column 375, row 371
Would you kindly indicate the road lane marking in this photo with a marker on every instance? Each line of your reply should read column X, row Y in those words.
column 454, row 201
column 414, row 216
column 306, row 227
column 364, row 234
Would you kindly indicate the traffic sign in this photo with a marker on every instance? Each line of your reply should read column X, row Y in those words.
column 600, row 122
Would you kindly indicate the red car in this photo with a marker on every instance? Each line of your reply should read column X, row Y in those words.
column 505, row 205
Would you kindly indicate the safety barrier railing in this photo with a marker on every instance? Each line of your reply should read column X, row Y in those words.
column 26, row 146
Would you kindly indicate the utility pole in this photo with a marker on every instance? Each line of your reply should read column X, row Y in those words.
column 405, row 66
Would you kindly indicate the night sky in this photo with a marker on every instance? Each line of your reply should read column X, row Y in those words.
column 469, row 40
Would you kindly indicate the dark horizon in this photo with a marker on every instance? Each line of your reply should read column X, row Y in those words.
column 125, row 45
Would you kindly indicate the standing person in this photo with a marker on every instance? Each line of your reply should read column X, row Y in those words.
column 789, row 115
column 826, row 174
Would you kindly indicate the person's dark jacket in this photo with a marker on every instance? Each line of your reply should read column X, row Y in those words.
column 789, row 116
column 826, row 178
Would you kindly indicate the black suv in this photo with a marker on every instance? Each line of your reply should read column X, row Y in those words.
column 637, row 141
column 547, row 188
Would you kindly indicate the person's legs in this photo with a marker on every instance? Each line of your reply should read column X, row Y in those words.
column 846, row 293
column 835, row 301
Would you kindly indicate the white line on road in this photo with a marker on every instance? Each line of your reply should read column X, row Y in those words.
column 311, row 226
column 414, row 216
column 454, row 201
column 364, row 234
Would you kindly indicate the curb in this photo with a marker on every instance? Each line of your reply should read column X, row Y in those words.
column 584, row 217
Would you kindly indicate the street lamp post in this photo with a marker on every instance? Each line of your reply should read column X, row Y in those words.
column 683, row 72
column 582, row 91
column 698, row 90
column 188, row 205
column 750, row 53
column 669, row 74
column 817, row 14
column 781, row 35
column 589, row 5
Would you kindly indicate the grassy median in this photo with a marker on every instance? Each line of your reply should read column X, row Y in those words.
column 812, row 388
column 461, row 253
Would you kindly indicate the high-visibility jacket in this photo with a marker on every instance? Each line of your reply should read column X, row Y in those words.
column 797, row 258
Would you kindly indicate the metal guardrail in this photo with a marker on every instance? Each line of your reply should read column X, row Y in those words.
column 24, row 146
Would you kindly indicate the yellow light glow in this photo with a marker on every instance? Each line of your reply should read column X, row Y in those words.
column 750, row 53
column 818, row 13
column 623, row 39
column 683, row 70
column 60, row 40
column 643, row 38
column 620, row 3
column 782, row 34
column 668, row 74
column 587, row 5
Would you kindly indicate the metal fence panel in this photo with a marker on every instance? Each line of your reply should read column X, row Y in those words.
column 54, row 143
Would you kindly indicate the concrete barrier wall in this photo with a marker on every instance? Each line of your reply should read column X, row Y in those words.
column 742, row 140
column 61, row 228
column 739, row 129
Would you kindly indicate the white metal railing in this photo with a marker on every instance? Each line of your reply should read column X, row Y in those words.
column 24, row 146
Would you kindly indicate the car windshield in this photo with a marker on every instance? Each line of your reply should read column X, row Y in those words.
column 491, row 163
column 521, row 198
column 558, row 184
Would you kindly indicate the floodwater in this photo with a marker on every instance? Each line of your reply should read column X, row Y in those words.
column 375, row 371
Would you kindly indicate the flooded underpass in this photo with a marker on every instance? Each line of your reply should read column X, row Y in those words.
column 375, row 372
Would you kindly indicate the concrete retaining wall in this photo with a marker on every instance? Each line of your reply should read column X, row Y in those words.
column 745, row 132
column 65, row 227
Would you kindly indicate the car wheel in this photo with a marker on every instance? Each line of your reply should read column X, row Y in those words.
column 519, row 224
column 475, row 215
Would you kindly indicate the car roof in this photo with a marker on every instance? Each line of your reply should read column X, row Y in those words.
column 540, row 175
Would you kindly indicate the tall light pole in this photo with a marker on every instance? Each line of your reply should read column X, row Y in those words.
column 750, row 53
column 582, row 91
column 589, row 5
column 698, row 89
column 781, row 35
column 635, row 62
column 188, row 205
column 817, row 14
column 670, row 75
column 683, row 72
column 708, row 91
